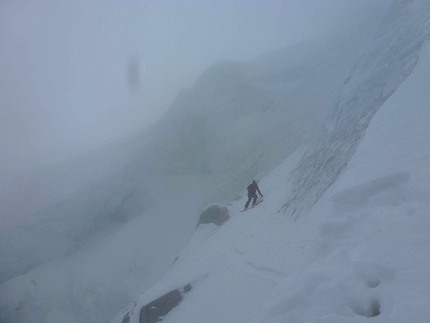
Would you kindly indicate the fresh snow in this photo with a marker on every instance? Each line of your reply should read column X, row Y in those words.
column 342, row 235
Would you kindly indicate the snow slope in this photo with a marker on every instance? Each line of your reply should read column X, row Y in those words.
column 361, row 252
column 277, row 262
column 360, row 249
column 231, row 126
column 238, row 122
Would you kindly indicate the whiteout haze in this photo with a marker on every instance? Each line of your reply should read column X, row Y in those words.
column 337, row 134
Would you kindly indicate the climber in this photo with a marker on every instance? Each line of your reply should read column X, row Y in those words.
column 252, row 194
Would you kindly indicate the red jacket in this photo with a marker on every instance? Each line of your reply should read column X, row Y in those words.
column 252, row 188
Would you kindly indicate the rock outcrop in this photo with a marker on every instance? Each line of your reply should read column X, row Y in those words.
column 214, row 213
column 152, row 312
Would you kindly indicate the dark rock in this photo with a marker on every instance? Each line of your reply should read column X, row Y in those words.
column 152, row 312
column 214, row 213
column 126, row 318
column 120, row 215
column 149, row 314
column 187, row 288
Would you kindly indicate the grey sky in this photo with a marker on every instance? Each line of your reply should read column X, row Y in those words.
column 63, row 82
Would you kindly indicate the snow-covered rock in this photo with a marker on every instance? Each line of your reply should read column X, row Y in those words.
column 214, row 213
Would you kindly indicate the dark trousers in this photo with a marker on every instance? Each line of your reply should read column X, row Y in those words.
column 251, row 195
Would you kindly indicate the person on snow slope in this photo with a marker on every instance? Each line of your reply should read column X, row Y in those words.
column 252, row 194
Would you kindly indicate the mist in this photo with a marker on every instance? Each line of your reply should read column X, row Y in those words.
column 76, row 75
column 123, row 162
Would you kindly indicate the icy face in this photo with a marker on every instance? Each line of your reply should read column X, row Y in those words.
column 374, row 78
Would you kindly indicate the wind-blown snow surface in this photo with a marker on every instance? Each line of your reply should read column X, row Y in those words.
column 288, row 259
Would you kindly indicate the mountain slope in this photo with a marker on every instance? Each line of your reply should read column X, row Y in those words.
column 361, row 252
column 240, row 121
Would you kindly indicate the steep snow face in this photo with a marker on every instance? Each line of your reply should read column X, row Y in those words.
column 360, row 253
column 373, row 225
column 374, row 78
